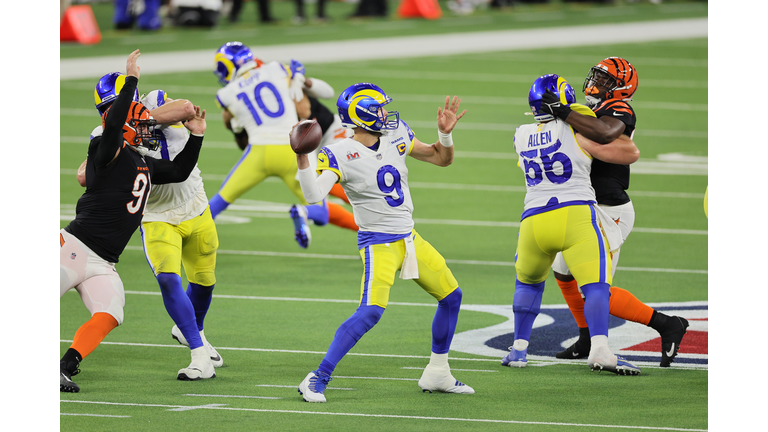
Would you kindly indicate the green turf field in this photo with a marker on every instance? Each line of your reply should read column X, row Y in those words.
column 276, row 306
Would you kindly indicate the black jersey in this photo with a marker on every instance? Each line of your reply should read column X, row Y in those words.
column 611, row 181
column 116, row 193
column 321, row 113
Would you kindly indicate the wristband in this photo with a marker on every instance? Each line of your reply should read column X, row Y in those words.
column 445, row 139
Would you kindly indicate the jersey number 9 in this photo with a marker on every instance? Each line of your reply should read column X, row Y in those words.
column 395, row 186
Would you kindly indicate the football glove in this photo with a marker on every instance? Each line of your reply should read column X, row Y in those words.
column 297, row 68
column 551, row 104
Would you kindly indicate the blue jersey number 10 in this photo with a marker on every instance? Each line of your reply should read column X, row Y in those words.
column 260, row 87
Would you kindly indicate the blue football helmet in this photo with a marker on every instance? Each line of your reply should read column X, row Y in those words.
column 108, row 88
column 559, row 87
column 360, row 106
column 229, row 58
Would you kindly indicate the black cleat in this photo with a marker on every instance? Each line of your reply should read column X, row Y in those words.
column 578, row 350
column 671, row 337
column 65, row 378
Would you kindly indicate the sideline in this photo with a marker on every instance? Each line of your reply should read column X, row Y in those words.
column 403, row 47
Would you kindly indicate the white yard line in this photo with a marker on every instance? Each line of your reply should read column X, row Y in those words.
column 456, row 419
column 403, row 47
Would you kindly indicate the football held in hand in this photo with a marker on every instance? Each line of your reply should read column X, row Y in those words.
column 306, row 136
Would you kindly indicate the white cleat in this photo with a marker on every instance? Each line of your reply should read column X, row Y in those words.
column 441, row 380
column 313, row 387
column 215, row 357
column 605, row 360
column 201, row 367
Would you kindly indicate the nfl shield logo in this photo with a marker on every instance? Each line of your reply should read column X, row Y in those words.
column 378, row 157
column 73, row 256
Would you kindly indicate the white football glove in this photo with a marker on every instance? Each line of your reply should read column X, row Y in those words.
column 296, row 88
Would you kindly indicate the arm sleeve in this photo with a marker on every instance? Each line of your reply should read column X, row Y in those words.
column 316, row 188
column 177, row 170
column 320, row 89
column 112, row 138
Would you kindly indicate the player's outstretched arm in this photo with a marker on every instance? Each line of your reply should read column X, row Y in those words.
column 441, row 152
column 178, row 169
column 174, row 111
column 622, row 151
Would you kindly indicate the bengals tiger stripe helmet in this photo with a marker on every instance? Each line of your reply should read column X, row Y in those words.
column 137, row 132
column 615, row 76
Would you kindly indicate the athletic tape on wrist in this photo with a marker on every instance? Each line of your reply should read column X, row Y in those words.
column 445, row 139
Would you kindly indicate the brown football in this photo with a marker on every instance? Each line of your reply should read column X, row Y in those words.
column 306, row 136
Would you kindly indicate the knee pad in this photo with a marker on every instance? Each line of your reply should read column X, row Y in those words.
column 527, row 298
column 453, row 299
column 365, row 318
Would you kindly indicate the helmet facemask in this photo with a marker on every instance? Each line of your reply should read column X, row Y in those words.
column 599, row 82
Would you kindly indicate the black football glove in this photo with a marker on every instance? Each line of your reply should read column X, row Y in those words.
column 551, row 104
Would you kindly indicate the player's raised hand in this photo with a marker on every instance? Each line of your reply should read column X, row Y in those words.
column 447, row 117
column 197, row 124
column 131, row 68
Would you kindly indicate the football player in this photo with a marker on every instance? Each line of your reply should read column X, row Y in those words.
column 262, row 97
column 561, row 216
column 371, row 167
column 608, row 88
column 119, row 176
column 333, row 131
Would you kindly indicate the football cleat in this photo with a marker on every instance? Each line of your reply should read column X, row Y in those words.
column 515, row 358
column 301, row 228
column 312, row 389
column 558, row 85
column 201, row 367
column 578, row 350
column 607, row 361
column 215, row 357
column 671, row 338
column 66, row 372
column 440, row 379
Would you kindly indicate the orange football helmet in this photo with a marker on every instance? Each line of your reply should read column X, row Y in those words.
column 137, row 131
column 615, row 75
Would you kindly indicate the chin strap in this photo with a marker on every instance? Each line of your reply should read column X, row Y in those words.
column 143, row 151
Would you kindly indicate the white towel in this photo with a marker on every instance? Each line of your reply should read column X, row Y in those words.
column 410, row 268
column 610, row 229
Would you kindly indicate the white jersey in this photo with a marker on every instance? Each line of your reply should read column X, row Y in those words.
column 556, row 168
column 375, row 181
column 259, row 99
column 175, row 202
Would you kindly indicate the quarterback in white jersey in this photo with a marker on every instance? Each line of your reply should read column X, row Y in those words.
column 371, row 167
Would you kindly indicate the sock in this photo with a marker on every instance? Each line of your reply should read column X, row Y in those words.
column 90, row 334
column 444, row 322
column 520, row 345
column 526, row 304
column 596, row 307
column 217, row 205
column 179, row 307
column 200, row 296
column 574, row 300
column 338, row 192
column 658, row 321
column 364, row 318
column 318, row 213
column 626, row 306
column 438, row 360
column 341, row 217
